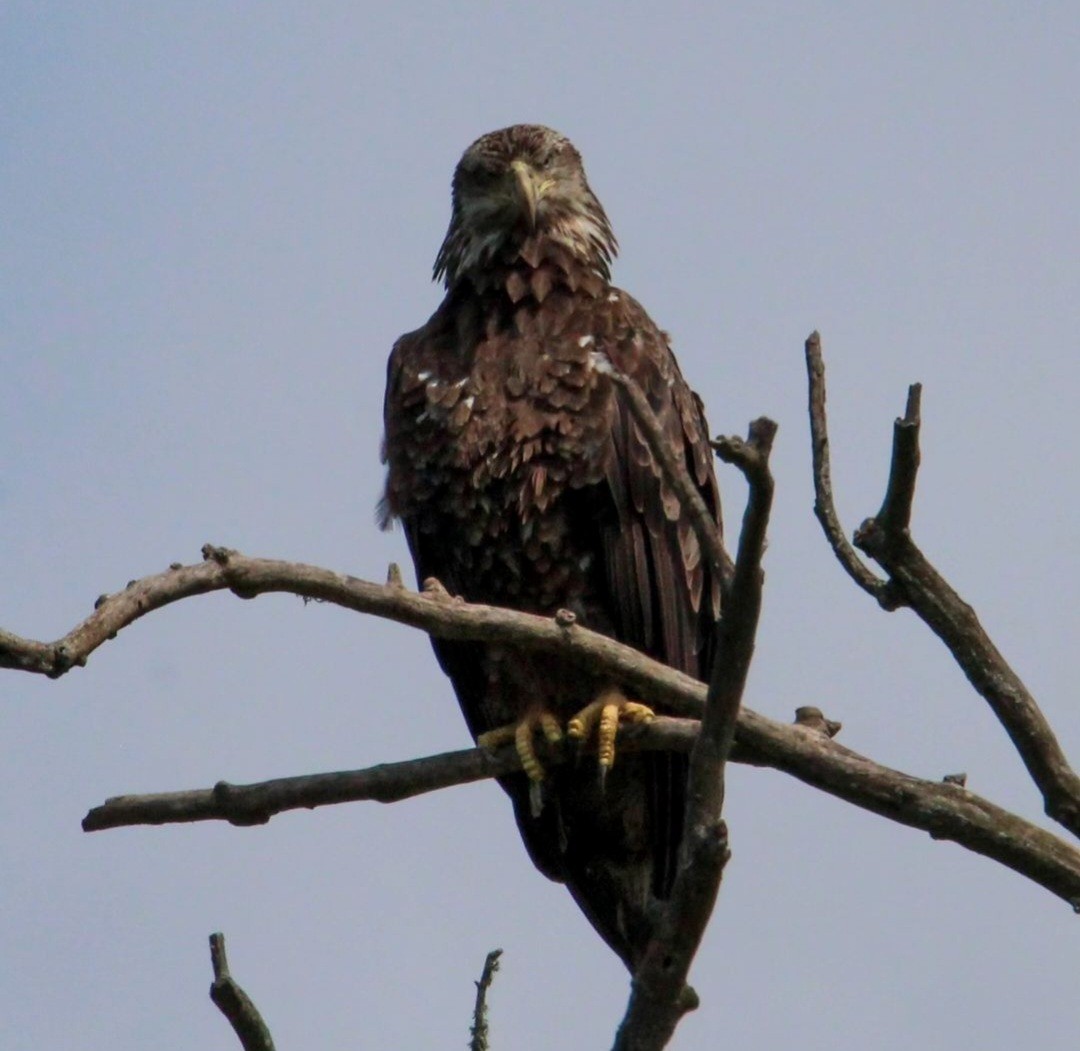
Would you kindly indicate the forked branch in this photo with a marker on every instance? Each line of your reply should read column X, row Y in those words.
column 913, row 581
column 235, row 1004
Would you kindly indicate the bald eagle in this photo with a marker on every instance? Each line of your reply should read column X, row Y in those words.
column 522, row 481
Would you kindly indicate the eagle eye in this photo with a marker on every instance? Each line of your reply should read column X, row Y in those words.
column 480, row 174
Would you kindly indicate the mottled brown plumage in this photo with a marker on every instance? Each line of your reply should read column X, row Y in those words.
column 522, row 481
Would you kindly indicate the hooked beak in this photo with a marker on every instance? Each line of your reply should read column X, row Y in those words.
column 526, row 192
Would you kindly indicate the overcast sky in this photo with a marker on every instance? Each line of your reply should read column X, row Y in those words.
column 216, row 219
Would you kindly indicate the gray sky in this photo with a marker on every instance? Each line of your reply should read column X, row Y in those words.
column 217, row 218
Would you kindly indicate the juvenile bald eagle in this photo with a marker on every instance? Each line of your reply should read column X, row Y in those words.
column 522, row 481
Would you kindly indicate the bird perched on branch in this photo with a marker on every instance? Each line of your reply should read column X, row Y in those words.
column 522, row 481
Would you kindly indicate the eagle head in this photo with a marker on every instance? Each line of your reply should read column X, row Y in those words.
column 514, row 190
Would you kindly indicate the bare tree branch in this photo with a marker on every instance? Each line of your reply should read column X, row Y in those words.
column 915, row 582
column 235, row 1004
column 659, row 993
column 824, row 505
column 255, row 804
column 433, row 611
column 945, row 810
column 479, row 1031
column 738, row 629
column 895, row 513
column 964, row 818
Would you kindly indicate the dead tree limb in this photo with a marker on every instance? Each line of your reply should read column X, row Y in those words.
column 944, row 809
column 824, row 504
column 478, row 1034
column 235, row 1004
column 659, row 994
column 957, row 815
column 913, row 581
column 433, row 611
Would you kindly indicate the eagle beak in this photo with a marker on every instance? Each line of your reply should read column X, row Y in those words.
column 526, row 192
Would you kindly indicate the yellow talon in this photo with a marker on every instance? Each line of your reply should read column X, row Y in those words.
column 605, row 735
column 526, row 750
column 581, row 725
column 635, row 712
column 522, row 734
column 551, row 728
column 604, row 714
column 496, row 738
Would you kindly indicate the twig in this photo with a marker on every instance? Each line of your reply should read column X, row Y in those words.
column 895, row 514
column 479, row 1030
column 659, row 993
column 235, row 1004
column 824, row 505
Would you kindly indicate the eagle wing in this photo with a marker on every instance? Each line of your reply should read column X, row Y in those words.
column 663, row 600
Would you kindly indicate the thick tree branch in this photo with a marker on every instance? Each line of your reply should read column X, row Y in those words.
column 255, row 804
column 659, row 993
column 913, row 581
column 957, row 625
column 964, row 818
column 943, row 809
column 433, row 611
column 235, row 1004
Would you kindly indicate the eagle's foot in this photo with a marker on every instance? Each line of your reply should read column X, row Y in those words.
column 523, row 734
column 603, row 716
